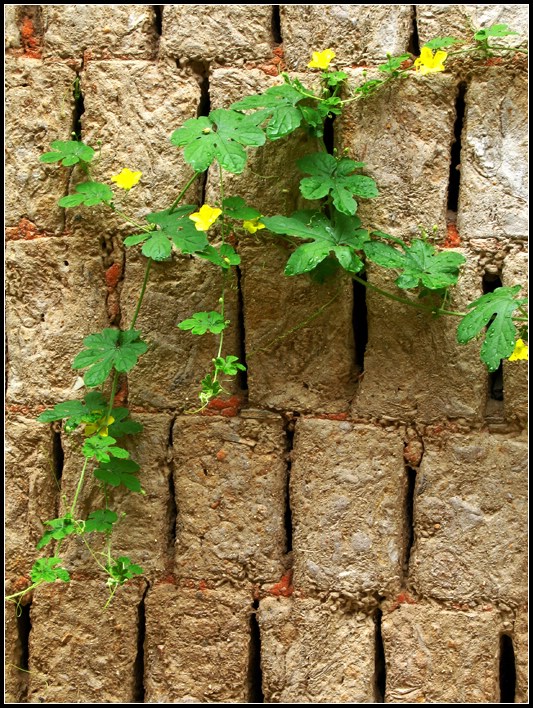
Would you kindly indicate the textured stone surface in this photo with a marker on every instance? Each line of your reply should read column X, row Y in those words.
column 470, row 518
column 520, row 643
column 80, row 652
column 515, row 373
column 99, row 32
column 146, row 521
column 403, row 134
column 459, row 21
column 230, row 482
column 149, row 101
column 434, row 655
column 347, row 494
column 414, row 369
column 494, row 154
column 295, row 358
column 15, row 680
column 31, row 492
column 38, row 107
column 196, row 650
column 55, row 297
column 169, row 374
column 226, row 34
column 357, row 33
column 11, row 27
column 310, row 654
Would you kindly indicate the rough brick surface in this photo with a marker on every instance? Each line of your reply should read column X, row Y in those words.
column 515, row 373
column 358, row 34
column 403, row 134
column 48, row 278
column 470, row 519
column 74, row 642
column 434, row 655
column 494, row 171
column 196, row 650
column 520, row 641
column 230, row 482
column 227, row 34
column 406, row 347
column 31, row 491
column 169, row 374
column 341, row 474
column 39, row 106
column 99, row 32
column 310, row 654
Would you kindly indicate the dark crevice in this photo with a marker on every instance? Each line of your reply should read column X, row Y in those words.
column 455, row 157
column 276, row 25
column 491, row 281
column 58, row 455
column 409, row 517
column 329, row 134
column 24, row 630
column 414, row 40
column 158, row 19
column 380, row 672
column 360, row 323
column 507, row 670
column 290, row 426
column 138, row 666
column 242, row 376
column 201, row 72
column 172, row 508
column 255, row 674
column 79, row 109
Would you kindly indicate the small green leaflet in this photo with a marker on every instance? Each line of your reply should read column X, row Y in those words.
column 173, row 228
column 228, row 365
column 369, row 87
column 277, row 105
column 225, row 256
column 119, row 472
column 393, row 64
column 202, row 322
column 59, row 528
column 88, row 193
column 74, row 413
column 108, row 349
column 70, row 152
column 210, row 389
column 123, row 569
column 220, row 136
column 336, row 176
column 420, row 263
column 102, row 448
column 100, row 520
column 237, row 208
column 122, row 425
column 44, row 570
column 495, row 31
column 441, row 43
column 342, row 238
column 497, row 308
column 334, row 78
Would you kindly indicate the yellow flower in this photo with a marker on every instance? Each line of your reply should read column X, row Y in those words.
column 429, row 63
column 253, row 225
column 126, row 179
column 99, row 427
column 520, row 351
column 321, row 60
column 205, row 218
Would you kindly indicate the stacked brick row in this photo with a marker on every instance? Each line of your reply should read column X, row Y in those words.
column 292, row 518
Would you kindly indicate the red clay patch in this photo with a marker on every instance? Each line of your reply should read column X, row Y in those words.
column 453, row 240
column 284, row 588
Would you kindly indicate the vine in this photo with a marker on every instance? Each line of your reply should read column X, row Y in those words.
column 324, row 238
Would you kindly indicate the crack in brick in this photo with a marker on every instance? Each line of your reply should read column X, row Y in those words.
column 255, row 674
column 413, row 454
column 24, row 630
column 507, row 671
column 138, row 666
column 380, row 671
column 277, row 37
column 289, row 427
column 414, row 41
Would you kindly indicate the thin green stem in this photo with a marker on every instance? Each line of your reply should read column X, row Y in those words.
column 114, row 386
column 141, row 295
column 126, row 218
column 180, row 196
column 23, row 592
column 79, row 487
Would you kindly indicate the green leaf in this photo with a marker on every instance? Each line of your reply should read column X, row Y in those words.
column 210, row 389
column 119, row 472
column 497, row 308
column 70, row 152
column 225, row 256
column 228, row 365
column 278, row 106
column 420, row 264
column 441, row 43
column 89, row 194
column 202, row 322
column 335, row 176
column 74, row 413
column 59, row 528
column 342, row 238
column 177, row 228
column 111, row 348
column 158, row 246
column 334, row 78
column 44, row 570
column 237, row 208
column 135, row 239
column 500, row 30
column 123, row 425
column 369, row 87
column 100, row 520
column 102, row 448
column 123, row 569
column 393, row 64
column 221, row 137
